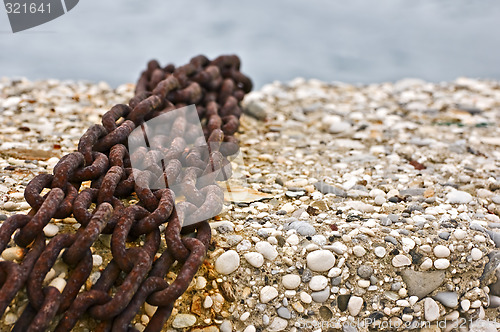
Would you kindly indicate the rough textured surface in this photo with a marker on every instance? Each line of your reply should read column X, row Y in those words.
column 392, row 166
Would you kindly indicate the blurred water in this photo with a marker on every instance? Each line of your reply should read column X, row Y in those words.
column 352, row 41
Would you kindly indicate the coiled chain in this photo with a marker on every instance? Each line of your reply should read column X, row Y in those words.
column 136, row 274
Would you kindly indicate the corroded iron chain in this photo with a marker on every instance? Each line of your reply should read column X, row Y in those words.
column 93, row 185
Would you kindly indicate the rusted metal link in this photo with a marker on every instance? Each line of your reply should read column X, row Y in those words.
column 65, row 168
column 86, row 236
column 89, row 139
column 48, row 310
column 47, row 210
column 46, row 261
column 158, row 216
column 117, row 136
column 93, row 171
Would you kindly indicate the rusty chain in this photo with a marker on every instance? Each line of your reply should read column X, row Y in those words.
column 136, row 274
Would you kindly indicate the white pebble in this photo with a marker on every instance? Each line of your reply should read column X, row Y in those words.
column 268, row 293
column 359, row 251
column 267, row 250
column 459, row 234
column 320, row 260
column 208, row 302
column 58, row 283
column 354, row 305
column 51, row 230
column 426, row 264
column 201, row 282
column 183, row 320
column 465, row 304
column 254, row 258
column 476, row 254
column 293, row 240
column 400, row 260
column 228, row 262
column 441, row 251
column 380, row 252
column 291, row 281
column 10, row 318
column 318, row 283
column 244, row 316
column 379, row 200
column 306, row 298
column 334, row 272
column 14, row 253
column 431, row 309
column 441, row 264
column 96, row 260
column 458, row 197
column 150, row 309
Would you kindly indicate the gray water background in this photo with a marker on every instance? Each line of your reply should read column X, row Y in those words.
column 351, row 41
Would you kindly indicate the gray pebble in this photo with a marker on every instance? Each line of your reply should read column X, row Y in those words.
column 284, row 313
column 326, row 188
column 391, row 239
column 365, row 271
column 3, row 217
column 444, row 235
column 306, row 276
column 396, row 286
column 336, row 281
column 448, row 299
column 384, row 221
column 263, row 233
column 393, row 217
column 412, row 192
column 321, row 296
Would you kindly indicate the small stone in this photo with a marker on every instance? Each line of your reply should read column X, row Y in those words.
column 379, row 200
column 441, row 264
column 306, row 298
column 355, row 304
column 256, row 109
column 325, row 313
column 320, row 260
column 244, row 316
column 441, row 251
column 401, row 260
column 465, row 304
column 228, row 262
column 10, row 318
column 278, row 324
column 254, row 258
column 201, row 282
column 51, row 230
column 426, row 264
column 291, row 281
column 13, row 254
column 342, row 301
column 267, row 294
column 459, row 234
column 149, row 309
column 284, row 313
column 329, row 189
column 421, row 284
column 321, row 296
column 358, row 251
column 318, row 283
column 208, row 302
column 380, row 252
column 96, row 260
column 476, row 254
column 226, row 326
column 267, row 250
column 339, row 248
column 339, row 127
column 431, row 310
column 365, row 271
column 58, row 283
column 458, row 197
column 448, row 299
